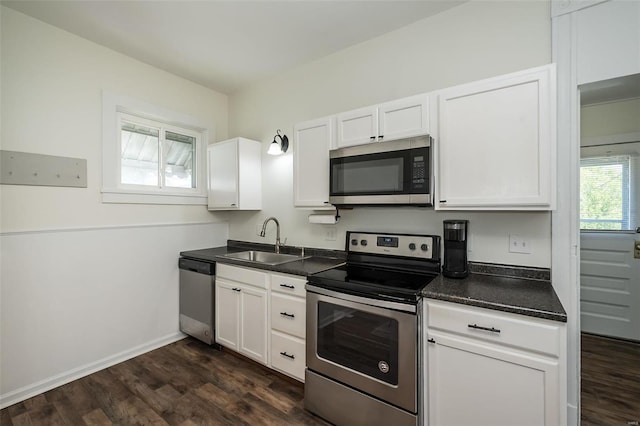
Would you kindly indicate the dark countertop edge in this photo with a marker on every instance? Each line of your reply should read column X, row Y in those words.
column 530, row 312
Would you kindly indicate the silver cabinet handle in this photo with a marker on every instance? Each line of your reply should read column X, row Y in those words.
column 292, row 287
column 287, row 355
column 285, row 314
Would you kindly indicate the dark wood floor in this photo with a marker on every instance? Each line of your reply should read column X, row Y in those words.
column 610, row 388
column 188, row 383
column 185, row 383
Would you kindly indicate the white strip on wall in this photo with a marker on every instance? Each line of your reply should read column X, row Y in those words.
column 75, row 301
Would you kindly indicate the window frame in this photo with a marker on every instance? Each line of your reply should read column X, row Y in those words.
column 115, row 108
column 625, row 161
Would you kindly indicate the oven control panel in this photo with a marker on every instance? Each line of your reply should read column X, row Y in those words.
column 418, row 246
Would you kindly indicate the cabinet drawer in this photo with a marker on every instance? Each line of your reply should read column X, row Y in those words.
column 288, row 314
column 243, row 275
column 288, row 284
column 288, row 355
column 509, row 329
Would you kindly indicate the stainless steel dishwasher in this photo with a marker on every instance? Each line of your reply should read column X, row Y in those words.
column 197, row 299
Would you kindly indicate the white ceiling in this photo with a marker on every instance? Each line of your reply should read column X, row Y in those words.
column 225, row 45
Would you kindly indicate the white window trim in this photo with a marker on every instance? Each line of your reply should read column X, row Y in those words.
column 112, row 190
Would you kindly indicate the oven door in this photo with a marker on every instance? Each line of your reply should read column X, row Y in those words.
column 370, row 348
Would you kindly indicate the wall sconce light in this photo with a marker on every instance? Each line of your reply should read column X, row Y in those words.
column 279, row 145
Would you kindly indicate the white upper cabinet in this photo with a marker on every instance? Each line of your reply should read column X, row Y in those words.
column 312, row 142
column 235, row 177
column 497, row 143
column 402, row 118
column 357, row 127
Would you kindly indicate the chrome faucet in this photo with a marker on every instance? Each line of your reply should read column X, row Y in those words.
column 264, row 229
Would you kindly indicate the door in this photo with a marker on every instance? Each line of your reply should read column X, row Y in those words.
column 312, row 140
column 357, row 127
column 404, row 118
column 610, row 284
column 222, row 167
column 477, row 383
column 610, row 208
column 253, row 323
column 227, row 313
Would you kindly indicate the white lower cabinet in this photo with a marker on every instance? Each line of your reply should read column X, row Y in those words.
column 262, row 315
column 288, row 324
column 241, row 311
column 487, row 367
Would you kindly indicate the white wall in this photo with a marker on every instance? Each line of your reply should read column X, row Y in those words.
column 52, row 84
column 85, row 284
column 470, row 42
column 74, row 302
column 608, row 120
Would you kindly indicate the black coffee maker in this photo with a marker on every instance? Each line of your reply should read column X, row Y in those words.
column 455, row 249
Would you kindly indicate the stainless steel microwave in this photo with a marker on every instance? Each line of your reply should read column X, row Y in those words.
column 385, row 173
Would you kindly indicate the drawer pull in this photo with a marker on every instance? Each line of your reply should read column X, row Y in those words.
column 287, row 355
column 288, row 286
column 235, row 289
column 431, row 341
column 285, row 314
column 477, row 327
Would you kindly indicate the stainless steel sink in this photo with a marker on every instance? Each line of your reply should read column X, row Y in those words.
column 264, row 257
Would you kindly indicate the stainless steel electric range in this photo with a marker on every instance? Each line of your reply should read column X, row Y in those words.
column 363, row 330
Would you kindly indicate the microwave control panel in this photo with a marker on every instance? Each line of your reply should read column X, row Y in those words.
column 419, row 174
column 418, row 246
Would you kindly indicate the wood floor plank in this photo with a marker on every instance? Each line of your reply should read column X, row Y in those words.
column 136, row 412
column 96, row 418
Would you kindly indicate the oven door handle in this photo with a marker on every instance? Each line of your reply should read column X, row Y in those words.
column 404, row 307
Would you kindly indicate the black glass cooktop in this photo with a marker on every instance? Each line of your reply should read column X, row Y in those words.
column 371, row 281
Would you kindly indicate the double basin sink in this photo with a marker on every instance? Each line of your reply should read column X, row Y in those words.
column 264, row 257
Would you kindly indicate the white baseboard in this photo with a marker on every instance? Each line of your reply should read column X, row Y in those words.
column 37, row 388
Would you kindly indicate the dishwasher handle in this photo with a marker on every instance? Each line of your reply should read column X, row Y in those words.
column 197, row 266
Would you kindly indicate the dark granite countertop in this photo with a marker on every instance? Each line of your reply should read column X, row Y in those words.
column 519, row 293
column 320, row 260
column 529, row 297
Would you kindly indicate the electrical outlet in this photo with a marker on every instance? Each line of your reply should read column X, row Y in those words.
column 330, row 233
column 519, row 244
column 636, row 249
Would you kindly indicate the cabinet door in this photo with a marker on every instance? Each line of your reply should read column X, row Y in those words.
column 222, row 166
column 253, row 323
column 357, row 127
column 227, row 313
column 475, row 383
column 496, row 147
column 312, row 140
column 404, row 118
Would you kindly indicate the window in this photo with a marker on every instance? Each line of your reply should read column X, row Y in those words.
column 154, row 156
column 605, row 193
column 151, row 155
